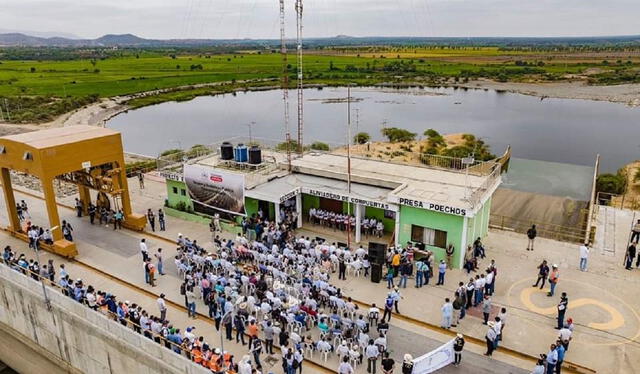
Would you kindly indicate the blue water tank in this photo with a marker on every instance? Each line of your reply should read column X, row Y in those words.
column 241, row 153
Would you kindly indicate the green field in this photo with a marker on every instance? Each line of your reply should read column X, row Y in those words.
column 29, row 85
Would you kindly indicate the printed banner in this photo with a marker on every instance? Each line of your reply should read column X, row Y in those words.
column 434, row 360
column 215, row 188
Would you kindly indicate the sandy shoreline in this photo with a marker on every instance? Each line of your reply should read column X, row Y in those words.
column 627, row 94
column 98, row 113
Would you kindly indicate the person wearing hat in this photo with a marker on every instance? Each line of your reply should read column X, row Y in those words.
column 489, row 338
column 407, row 364
column 162, row 306
column 553, row 279
column 458, row 345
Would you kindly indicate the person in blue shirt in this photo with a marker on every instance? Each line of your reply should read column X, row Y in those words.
column 121, row 314
column 441, row 270
column 560, row 350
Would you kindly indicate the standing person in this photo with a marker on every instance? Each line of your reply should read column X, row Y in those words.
column 117, row 219
column 268, row 337
column 256, row 349
column 371, row 352
column 531, row 235
column 486, row 308
column 79, row 207
column 447, row 314
column 141, row 179
column 503, row 320
column 562, row 309
column 191, row 302
column 490, row 337
column 405, row 272
column 19, row 211
column 552, row 359
column 420, row 266
column 543, row 272
column 152, row 274
column 539, row 368
column 635, row 231
column 630, row 256
column 450, row 250
column 389, row 277
column 238, row 322
column 162, row 306
column 442, row 268
column 584, row 255
column 388, row 307
column 458, row 345
column 342, row 268
column 160, row 261
column 146, row 271
column 554, row 277
column 561, row 351
column 92, row 213
column 387, row 363
column 143, row 249
column 161, row 219
column 151, row 218
column 395, row 294
column 25, row 209
column 345, row 367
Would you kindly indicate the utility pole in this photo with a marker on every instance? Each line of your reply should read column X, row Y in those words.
column 285, row 84
column 349, row 166
column 250, row 125
column 300, row 86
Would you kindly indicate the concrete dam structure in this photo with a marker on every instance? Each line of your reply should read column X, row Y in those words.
column 71, row 338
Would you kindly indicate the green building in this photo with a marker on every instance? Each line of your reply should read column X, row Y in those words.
column 431, row 206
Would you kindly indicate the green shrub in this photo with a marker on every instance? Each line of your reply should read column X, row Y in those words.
column 395, row 134
column 361, row 138
column 181, row 206
column 611, row 183
column 320, row 146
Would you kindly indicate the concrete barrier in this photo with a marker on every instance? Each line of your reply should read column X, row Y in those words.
column 73, row 337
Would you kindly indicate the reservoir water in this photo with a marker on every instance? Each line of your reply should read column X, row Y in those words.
column 560, row 130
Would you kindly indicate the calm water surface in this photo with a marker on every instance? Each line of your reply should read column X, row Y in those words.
column 561, row 130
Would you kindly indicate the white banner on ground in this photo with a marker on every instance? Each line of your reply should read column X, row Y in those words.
column 434, row 360
column 215, row 188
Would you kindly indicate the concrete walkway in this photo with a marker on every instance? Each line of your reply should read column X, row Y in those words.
column 603, row 301
column 116, row 253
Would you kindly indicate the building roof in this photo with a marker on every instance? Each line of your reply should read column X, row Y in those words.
column 57, row 136
column 320, row 186
column 410, row 183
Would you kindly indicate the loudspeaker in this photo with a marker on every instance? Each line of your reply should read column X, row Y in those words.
column 376, row 273
column 377, row 252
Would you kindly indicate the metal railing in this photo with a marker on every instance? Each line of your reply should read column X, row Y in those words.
column 544, row 229
column 479, row 192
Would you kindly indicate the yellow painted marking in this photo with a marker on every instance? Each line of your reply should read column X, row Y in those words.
column 616, row 320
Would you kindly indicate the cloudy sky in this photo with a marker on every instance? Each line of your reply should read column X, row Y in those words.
column 259, row 18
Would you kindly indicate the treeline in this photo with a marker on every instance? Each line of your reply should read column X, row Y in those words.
column 38, row 109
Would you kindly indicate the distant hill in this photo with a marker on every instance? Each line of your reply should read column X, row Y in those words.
column 130, row 40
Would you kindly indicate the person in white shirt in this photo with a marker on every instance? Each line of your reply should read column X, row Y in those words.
column 371, row 352
column 584, row 255
column 539, row 368
column 162, row 306
column 342, row 350
column 552, row 359
column 345, row 367
column 143, row 249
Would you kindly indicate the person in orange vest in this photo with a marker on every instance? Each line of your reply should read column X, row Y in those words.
column 554, row 277
column 196, row 354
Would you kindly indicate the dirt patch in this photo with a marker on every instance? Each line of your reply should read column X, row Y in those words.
column 406, row 152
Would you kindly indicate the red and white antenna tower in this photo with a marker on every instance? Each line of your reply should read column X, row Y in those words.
column 285, row 83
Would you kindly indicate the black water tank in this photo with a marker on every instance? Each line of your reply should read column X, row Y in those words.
column 226, row 151
column 255, row 155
